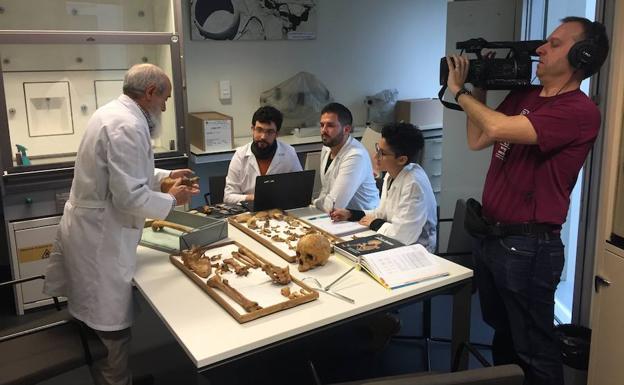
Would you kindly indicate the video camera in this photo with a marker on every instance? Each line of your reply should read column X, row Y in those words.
column 514, row 71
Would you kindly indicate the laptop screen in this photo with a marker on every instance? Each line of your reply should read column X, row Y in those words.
column 286, row 191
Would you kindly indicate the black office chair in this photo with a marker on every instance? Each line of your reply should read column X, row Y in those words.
column 496, row 375
column 488, row 375
column 36, row 353
column 459, row 250
column 216, row 187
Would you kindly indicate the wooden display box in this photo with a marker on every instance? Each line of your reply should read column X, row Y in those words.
column 283, row 228
column 256, row 286
column 211, row 131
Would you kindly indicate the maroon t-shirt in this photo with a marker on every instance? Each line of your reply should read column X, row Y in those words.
column 532, row 183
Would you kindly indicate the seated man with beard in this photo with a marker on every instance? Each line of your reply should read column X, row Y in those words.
column 265, row 155
column 346, row 170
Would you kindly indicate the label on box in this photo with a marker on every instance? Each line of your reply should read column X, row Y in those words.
column 218, row 135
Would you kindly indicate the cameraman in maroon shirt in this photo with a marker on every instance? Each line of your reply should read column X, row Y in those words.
column 540, row 137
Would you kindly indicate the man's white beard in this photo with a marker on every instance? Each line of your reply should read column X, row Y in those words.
column 156, row 117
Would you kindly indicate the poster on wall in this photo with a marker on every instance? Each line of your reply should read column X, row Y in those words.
column 253, row 19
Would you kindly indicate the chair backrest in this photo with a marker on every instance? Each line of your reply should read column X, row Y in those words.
column 369, row 138
column 313, row 162
column 495, row 375
column 459, row 247
column 459, row 239
column 216, row 186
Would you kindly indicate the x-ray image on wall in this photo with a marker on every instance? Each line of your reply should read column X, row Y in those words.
column 253, row 19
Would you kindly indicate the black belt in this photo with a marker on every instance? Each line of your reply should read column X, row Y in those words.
column 524, row 228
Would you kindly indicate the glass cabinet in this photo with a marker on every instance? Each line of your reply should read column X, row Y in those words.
column 60, row 60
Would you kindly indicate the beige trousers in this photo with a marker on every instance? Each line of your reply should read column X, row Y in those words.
column 113, row 369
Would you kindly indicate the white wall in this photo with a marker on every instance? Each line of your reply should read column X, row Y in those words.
column 463, row 170
column 362, row 47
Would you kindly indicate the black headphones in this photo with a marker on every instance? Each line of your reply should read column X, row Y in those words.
column 584, row 53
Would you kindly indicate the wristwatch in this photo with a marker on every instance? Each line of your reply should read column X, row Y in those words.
column 461, row 91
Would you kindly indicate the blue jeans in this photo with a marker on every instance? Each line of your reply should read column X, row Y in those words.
column 517, row 277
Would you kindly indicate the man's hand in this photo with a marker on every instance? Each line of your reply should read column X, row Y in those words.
column 181, row 172
column 249, row 197
column 183, row 193
column 366, row 220
column 458, row 72
column 338, row 215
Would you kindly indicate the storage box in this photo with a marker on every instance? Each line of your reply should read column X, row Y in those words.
column 425, row 113
column 204, row 231
column 211, row 131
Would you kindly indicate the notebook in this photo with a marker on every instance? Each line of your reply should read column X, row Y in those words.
column 392, row 264
column 339, row 229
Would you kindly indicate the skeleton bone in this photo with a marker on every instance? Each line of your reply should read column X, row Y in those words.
column 252, row 223
column 238, row 269
column 247, row 254
column 246, row 259
column 222, row 284
column 158, row 225
column 168, row 182
column 277, row 274
column 277, row 238
column 194, row 260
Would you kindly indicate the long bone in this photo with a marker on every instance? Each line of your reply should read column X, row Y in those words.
column 158, row 225
column 222, row 284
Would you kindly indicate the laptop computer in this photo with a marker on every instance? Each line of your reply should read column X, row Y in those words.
column 285, row 191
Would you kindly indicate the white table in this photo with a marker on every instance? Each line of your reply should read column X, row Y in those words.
column 196, row 320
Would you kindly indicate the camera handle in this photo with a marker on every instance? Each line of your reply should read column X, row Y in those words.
column 452, row 106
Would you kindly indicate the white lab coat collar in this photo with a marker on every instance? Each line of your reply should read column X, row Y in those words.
column 278, row 158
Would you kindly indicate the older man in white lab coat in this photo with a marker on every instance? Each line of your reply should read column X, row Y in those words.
column 115, row 188
column 346, row 172
column 265, row 155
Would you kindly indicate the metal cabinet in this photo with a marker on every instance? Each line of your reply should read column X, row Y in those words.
column 607, row 347
column 432, row 159
column 31, row 243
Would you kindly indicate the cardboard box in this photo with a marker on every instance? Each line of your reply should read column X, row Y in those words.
column 423, row 113
column 211, row 131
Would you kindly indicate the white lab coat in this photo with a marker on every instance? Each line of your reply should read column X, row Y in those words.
column 243, row 170
column 348, row 182
column 408, row 207
column 115, row 188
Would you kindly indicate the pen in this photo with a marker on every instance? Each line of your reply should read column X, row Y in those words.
column 319, row 217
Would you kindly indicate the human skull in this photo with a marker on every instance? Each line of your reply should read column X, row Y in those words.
column 312, row 250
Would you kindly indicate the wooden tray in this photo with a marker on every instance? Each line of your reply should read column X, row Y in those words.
column 257, row 286
column 280, row 248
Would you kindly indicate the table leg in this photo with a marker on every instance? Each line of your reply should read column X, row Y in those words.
column 461, row 325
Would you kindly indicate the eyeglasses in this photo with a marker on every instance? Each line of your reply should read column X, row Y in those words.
column 266, row 131
column 380, row 153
